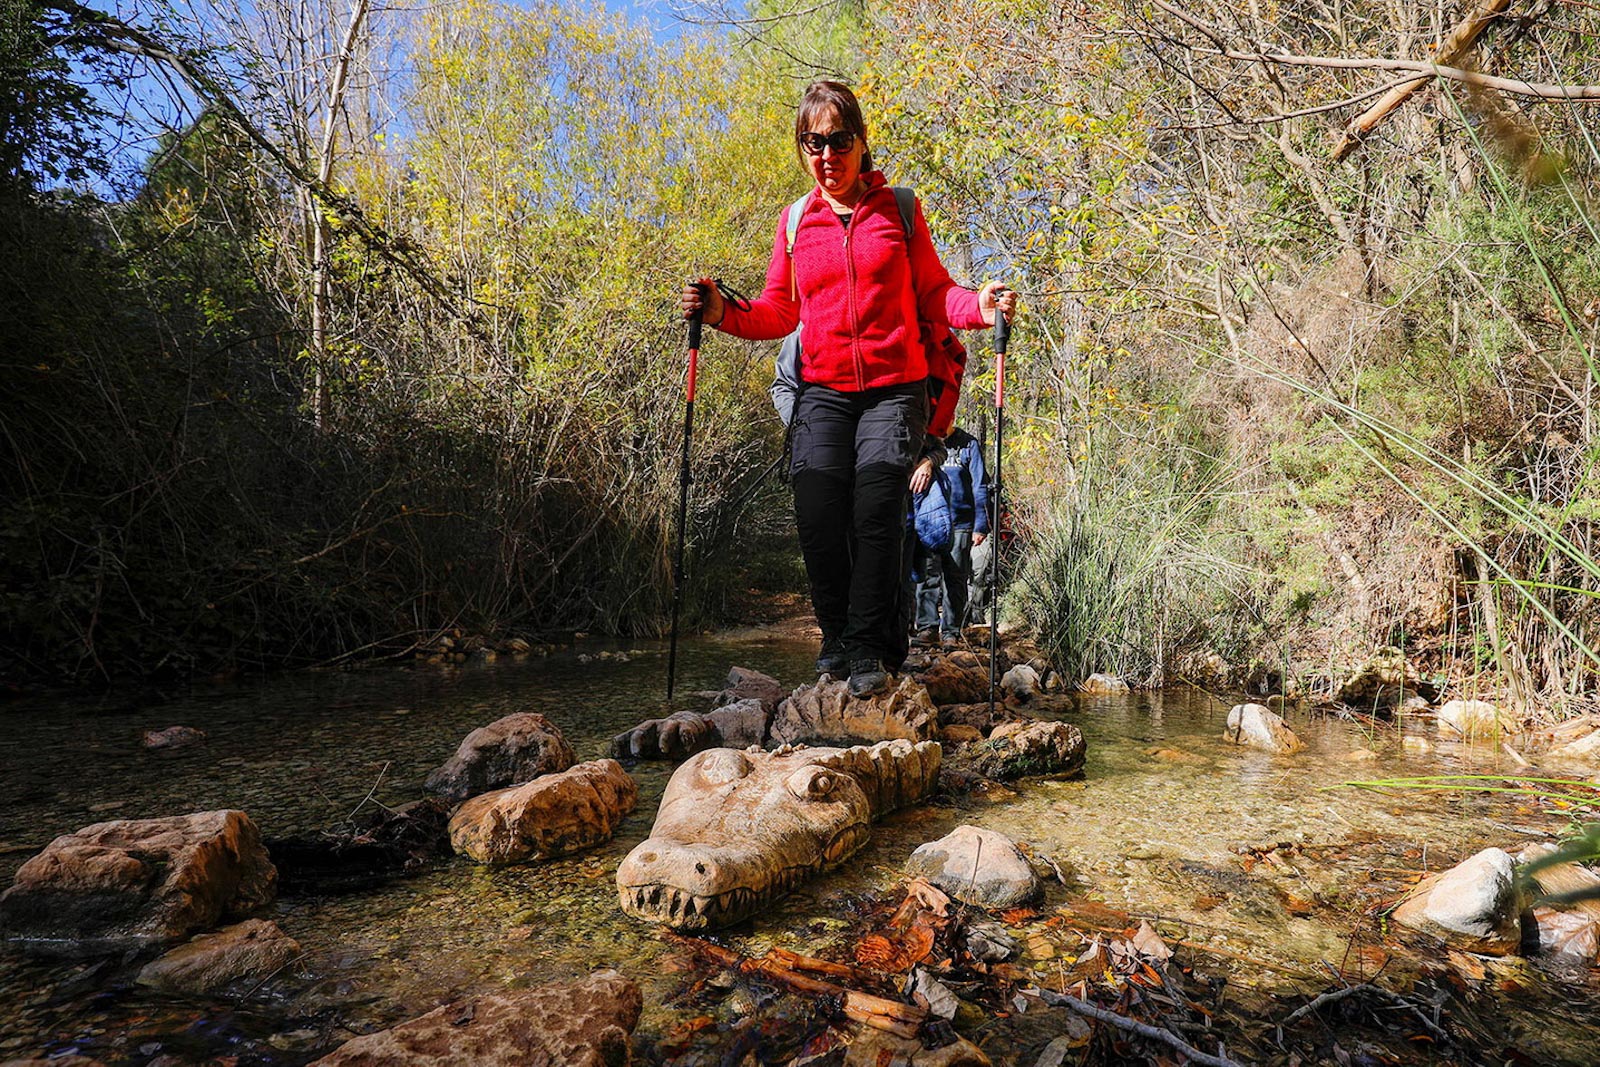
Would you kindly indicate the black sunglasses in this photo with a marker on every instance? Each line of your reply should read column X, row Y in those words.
column 839, row 140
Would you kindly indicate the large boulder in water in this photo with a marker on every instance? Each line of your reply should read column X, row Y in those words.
column 826, row 712
column 549, row 816
column 1256, row 726
column 138, row 883
column 509, row 751
column 234, row 960
column 1475, row 905
column 580, row 1024
column 1103, row 685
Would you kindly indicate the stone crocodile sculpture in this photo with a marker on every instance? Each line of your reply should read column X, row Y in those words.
column 739, row 829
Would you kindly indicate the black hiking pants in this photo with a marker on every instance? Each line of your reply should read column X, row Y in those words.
column 853, row 454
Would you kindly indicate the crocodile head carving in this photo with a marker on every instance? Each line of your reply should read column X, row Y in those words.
column 736, row 830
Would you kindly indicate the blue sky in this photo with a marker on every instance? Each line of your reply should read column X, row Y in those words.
column 154, row 101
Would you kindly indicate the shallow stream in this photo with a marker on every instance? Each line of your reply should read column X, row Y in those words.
column 1259, row 864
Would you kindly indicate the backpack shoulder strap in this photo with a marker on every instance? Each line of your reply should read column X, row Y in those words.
column 791, row 222
column 905, row 198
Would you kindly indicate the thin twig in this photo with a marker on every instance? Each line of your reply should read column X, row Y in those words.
column 1133, row 1026
column 381, row 772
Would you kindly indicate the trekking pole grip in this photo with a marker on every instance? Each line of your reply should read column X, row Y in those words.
column 696, row 317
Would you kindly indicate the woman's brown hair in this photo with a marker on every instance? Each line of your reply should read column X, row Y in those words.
column 830, row 98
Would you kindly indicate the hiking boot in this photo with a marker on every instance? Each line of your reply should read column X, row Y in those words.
column 867, row 678
column 832, row 660
column 950, row 639
column 927, row 637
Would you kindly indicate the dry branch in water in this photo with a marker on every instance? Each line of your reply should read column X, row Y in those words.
column 892, row 1016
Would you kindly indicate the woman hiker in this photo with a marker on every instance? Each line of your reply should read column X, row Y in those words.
column 861, row 413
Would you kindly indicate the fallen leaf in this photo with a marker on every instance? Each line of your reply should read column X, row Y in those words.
column 932, row 994
column 1149, row 943
column 1297, row 906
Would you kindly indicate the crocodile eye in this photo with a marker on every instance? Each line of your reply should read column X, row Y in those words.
column 724, row 765
column 812, row 783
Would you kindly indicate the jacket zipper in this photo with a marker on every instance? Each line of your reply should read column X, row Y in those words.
column 855, row 325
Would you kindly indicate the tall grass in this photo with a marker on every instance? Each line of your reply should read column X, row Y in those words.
column 1123, row 574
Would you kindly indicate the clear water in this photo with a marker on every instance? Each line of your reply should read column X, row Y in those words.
column 1161, row 825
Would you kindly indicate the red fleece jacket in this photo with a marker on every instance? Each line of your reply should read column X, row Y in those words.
column 859, row 294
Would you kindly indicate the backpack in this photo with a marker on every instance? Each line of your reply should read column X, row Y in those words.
column 946, row 355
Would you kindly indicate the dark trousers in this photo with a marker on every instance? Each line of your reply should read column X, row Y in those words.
column 945, row 570
column 853, row 454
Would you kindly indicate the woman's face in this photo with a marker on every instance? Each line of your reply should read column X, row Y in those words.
column 835, row 171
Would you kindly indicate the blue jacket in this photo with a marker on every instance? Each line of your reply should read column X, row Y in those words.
column 968, row 483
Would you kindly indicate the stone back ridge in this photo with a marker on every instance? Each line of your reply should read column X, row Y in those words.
column 826, row 712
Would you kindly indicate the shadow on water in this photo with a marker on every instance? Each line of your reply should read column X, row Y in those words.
column 1256, row 864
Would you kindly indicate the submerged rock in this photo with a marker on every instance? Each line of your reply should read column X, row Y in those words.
column 581, row 1024
column 1029, row 749
column 1568, row 932
column 1472, row 719
column 827, row 712
column 992, row 943
column 1103, row 685
column 138, row 883
column 507, row 752
column 549, row 816
column 236, row 960
column 173, row 737
column 364, row 851
column 1255, row 726
column 1475, row 905
column 977, row 866
column 675, row 737
column 874, row 1048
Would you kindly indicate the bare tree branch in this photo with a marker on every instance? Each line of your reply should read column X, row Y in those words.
column 111, row 33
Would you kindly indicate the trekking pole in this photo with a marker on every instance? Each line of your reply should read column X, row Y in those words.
column 1002, row 334
column 684, row 479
